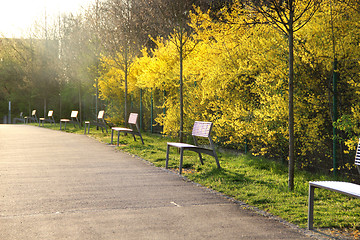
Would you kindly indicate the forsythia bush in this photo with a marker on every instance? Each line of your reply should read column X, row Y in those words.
column 236, row 75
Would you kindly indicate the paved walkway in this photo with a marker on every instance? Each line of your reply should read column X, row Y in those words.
column 56, row 185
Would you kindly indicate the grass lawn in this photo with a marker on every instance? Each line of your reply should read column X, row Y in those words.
column 257, row 181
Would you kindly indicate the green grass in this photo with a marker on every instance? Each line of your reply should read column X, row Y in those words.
column 257, row 181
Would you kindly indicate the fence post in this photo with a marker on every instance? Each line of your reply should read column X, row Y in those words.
column 152, row 112
column 164, row 110
column 246, row 146
column 141, row 110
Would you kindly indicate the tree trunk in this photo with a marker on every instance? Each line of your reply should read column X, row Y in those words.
column 45, row 108
column 96, row 102
column 181, row 93
column 80, row 103
column 126, row 93
column 291, row 100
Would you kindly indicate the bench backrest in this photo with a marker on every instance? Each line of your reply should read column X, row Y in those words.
column 357, row 156
column 101, row 114
column 202, row 129
column 133, row 118
column 74, row 114
column 50, row 113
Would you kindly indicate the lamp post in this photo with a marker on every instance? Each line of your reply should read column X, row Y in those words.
column 9, row 121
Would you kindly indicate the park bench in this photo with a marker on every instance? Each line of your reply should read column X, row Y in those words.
column 19, row 119
column 100, row 123
column 50, row 118
column 200, row 129
column 134, row 129
column 346, row 188
column 33, row 117
column 74, row 119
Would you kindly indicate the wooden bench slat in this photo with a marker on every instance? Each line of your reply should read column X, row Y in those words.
column 121, row 129
column 74, row 114
column 202, row 129
column 101, row 114
column 179, row 145
column 133, row 118
column 346, row 188
column 357, row 157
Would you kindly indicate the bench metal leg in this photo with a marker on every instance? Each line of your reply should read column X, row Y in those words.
column 141, row 139
column 217, row 162
column 167, row 156
column 112, row 136
column 214, row 152
column 201, row 160
column 181, row 159
column 87, row 126
column 118, row 138
column 311, row 208
column 216, row 158
column 60, row 125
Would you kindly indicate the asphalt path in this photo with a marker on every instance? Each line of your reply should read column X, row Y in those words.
column 57, row 185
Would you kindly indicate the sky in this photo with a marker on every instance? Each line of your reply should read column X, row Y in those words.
column 17, row 16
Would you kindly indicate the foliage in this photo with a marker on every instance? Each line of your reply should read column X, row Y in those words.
column 112, row 85
column 236, row 77
column 234, row 74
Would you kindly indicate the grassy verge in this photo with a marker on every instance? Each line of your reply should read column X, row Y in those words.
column 256, row 181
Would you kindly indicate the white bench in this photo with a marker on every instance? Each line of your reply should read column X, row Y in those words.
column 346, row 188
column 50, row 118
column 19, row 119
column 74, row 119
column 33, row 117
column 200, row 129
column 100, row 123
column 134, row 129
